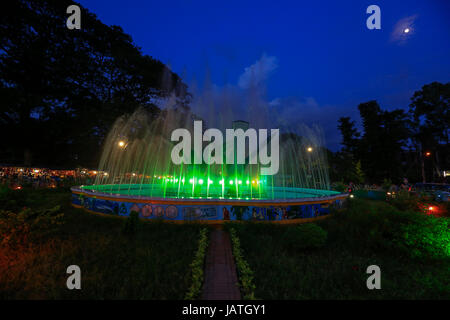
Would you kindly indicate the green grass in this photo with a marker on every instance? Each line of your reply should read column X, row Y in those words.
column 367, row 233
column 152, row 264
column 152, row 260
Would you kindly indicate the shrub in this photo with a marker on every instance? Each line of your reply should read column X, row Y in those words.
column 28, row 224
column 304, row 236
column 197, row 266
column 340, row 187
column 426, row 236
column 130, row 227
column 243, row 268
column 405, row 201
column 387, row 183
column 381, row 226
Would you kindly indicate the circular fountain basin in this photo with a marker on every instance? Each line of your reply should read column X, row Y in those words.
column 280, row 205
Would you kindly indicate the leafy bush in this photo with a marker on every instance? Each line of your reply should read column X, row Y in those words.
column 28, row 224
column 130, row 227
column 304, row 236
column 4, row 191
column 243, row 268
column 426, row 236
column 197, row 266
column 446, row 209
column 405, row 201
column 387, row 183
column 339, row 186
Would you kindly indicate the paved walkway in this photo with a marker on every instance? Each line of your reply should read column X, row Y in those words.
column 221, row 282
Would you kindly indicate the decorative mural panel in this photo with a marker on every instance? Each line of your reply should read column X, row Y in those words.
column 188, row 212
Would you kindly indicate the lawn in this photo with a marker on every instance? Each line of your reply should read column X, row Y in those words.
column 151, row 263
column 292, row 262
column 151, row 260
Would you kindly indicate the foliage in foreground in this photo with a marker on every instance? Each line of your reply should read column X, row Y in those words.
column 153, row 264
column 409, row 248
column 243, row 268
column 131, row 225
column 381, row 226
column 28, row 225
column 304, row 236
column 197, row 266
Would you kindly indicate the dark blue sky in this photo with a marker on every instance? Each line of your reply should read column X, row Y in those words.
column 323, row 55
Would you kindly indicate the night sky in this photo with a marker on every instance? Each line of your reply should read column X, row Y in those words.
column 317, row 59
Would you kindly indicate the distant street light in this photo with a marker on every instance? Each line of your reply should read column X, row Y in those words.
column 310, row 149
column 121, row 144
column 406, row 30
column 428, row 153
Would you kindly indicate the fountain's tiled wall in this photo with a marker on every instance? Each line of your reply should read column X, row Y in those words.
column 179, row 211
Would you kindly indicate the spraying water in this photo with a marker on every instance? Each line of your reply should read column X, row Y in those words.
column 136, row 158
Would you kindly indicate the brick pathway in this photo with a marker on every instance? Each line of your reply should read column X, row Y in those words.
column 221, row 282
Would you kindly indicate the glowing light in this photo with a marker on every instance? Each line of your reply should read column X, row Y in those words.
column 37, row 171
column 210, row 181
column 95, row 172
column 231, row 181
column 428, row 153
column 247, row 182
column 134, row 174
column 352, row 196
column 200, row 181
column 309, row 149
column 121, row 143
column 221, row 181
column 105, row 174
column 431, row 208
column 191, row 180
column 253, row 181
column 406, row 30
column 240, row 182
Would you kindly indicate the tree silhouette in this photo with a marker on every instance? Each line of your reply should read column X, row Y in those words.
column 430, row 110
column 61, row 89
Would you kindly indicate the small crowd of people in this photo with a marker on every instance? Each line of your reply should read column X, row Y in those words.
column 405, row 185
column 18, row 177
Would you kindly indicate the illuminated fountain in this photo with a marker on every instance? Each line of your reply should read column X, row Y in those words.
column 137, row 173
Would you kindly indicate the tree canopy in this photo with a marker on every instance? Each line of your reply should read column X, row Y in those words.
column 62, row 89
column 393, row 143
